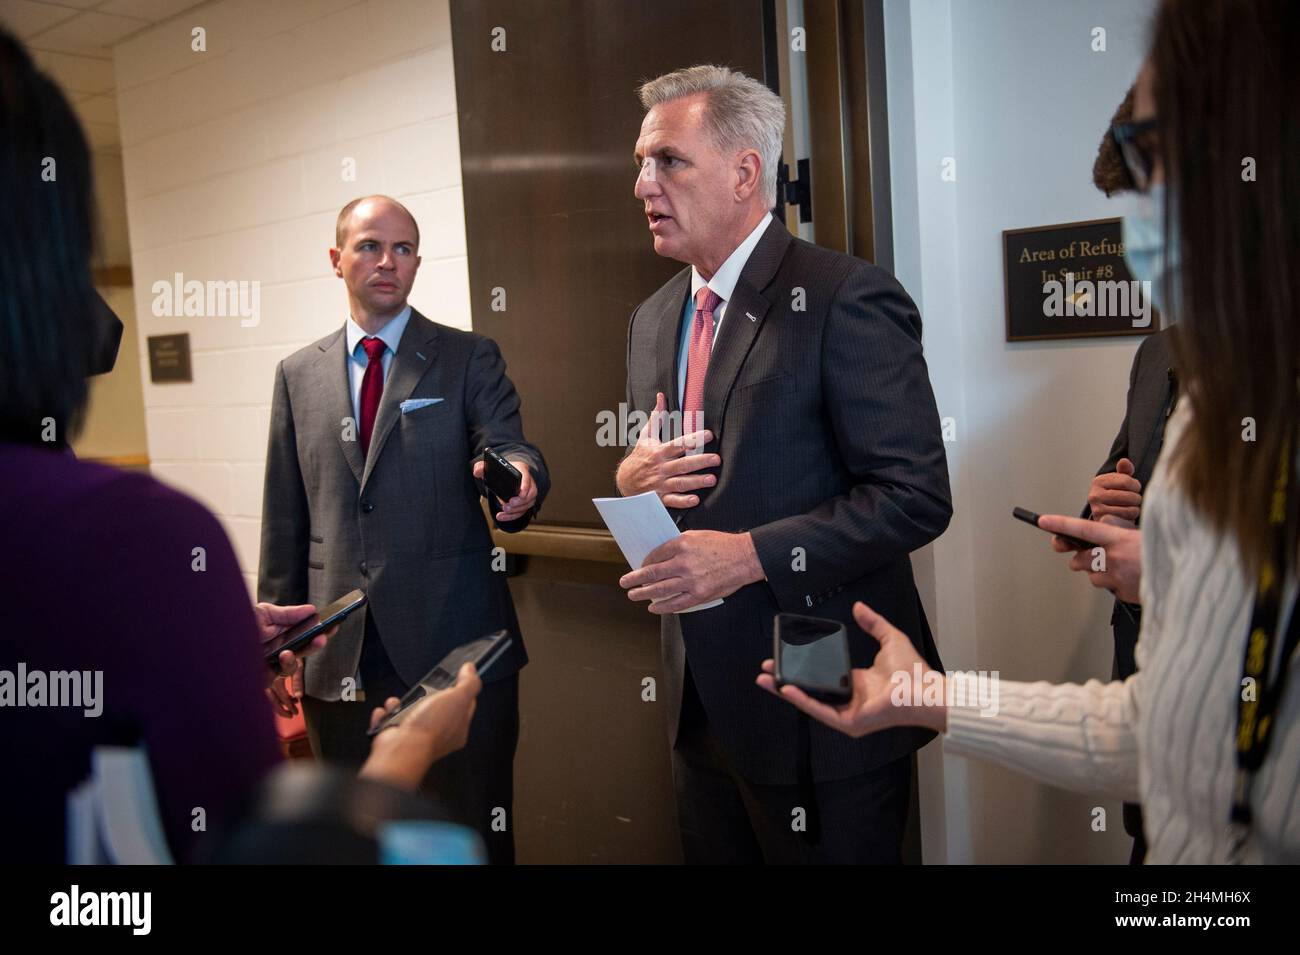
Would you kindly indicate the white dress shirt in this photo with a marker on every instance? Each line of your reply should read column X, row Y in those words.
column 390, row 334
column 723, row 284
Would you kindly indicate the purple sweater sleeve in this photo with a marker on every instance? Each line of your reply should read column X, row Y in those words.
column 188, row 675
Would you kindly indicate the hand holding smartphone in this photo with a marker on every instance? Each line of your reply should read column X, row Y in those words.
column 501, row 477
column 1029, row 517
column 482, row 653
column 299, row 636
column 812, row 654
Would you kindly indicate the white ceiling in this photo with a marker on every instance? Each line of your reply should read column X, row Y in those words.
column 72, row 40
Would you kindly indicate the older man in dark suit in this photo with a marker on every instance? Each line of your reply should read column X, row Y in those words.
column 799, row 375
column 377, row 436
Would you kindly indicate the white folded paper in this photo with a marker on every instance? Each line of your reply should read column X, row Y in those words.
column 640, row 524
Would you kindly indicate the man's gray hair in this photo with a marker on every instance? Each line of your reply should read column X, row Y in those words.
column 741, row 113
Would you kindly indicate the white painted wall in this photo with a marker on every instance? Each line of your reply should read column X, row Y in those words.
column 114, row 427
column 234, row 171
column 1012, row 90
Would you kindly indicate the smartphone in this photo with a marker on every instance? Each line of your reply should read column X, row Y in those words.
column 482, row 653
column 813, row 654
column 1029, row 517
column 301, row 634
column 501, row 477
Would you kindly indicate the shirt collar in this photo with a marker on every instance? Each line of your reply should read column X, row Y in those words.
column 390, row 334
column 724, row 280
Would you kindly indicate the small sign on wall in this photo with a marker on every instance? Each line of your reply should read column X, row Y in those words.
column 1071, row 281
column 169, row 358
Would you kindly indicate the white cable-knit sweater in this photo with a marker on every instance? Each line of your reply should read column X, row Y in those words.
column 1163, row 737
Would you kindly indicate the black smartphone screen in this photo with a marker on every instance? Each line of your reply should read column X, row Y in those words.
column 1029, row 517
column 813, row 654
column 501, row 477
column 482, row 653
column 302, row 633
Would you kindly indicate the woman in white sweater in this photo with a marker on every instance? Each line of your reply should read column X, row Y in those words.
column 1206, row 735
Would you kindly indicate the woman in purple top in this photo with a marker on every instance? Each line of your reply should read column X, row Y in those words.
column 126, row 617
column 101, row 567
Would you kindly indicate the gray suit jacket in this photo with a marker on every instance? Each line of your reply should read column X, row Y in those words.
column 832, row 458
column 405, row 524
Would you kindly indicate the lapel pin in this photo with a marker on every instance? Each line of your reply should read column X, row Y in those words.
column 420, row 355
column 750, row 317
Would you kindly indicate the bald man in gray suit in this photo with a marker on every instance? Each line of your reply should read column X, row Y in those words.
column 373, row 481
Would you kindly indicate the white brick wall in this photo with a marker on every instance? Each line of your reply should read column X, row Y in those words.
column 233, row 160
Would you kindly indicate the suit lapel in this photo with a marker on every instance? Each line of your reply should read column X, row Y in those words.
column 666, row 349
column 1149, row 422
column 1147, row 412
column 741, row 323
column 336, row 394
column 414, row 357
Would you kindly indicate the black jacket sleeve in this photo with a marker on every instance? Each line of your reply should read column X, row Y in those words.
column 1119, row 447
column 493, row 419
column 886, row 425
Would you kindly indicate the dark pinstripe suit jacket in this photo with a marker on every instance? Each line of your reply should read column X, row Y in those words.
column 832, row 458
column 404, row 523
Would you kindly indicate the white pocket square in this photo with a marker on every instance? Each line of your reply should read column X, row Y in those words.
column 415, row 404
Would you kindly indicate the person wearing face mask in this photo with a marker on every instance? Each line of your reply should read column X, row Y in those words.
column 1206, row 733
column 1115, row 495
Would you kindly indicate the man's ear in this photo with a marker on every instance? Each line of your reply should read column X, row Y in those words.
column 748, row 173
column 335, row 256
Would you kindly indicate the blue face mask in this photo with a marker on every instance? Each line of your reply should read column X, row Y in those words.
column 1144, row 251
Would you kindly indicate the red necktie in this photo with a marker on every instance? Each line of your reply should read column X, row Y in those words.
column 372, row 386
column 697, row 359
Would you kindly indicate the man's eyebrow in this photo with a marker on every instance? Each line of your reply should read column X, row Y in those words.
column 373, row 238
column 657, row 151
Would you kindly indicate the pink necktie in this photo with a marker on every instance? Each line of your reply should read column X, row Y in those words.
column 372, row 386
column 697, row 359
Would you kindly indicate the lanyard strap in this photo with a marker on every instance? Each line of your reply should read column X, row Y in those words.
column 1261, row 696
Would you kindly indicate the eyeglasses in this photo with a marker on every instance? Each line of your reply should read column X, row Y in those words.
column 1135, row 145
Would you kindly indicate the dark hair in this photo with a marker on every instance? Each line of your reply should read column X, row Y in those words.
column 1109, row 173
column 48, row 330
column 1228, row 99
